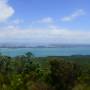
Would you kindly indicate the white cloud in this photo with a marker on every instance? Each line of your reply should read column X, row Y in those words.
column 74, row 15
column 47, row 20
column 6, row 10
column 17, row 21
column 45, row 36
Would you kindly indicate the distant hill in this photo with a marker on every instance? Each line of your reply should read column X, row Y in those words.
column 25, row 45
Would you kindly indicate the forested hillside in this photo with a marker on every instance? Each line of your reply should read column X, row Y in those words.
column 27, row 72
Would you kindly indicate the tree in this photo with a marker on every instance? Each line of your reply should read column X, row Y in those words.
column 63, row 75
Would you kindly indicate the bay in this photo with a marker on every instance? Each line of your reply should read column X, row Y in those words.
column 42, row 52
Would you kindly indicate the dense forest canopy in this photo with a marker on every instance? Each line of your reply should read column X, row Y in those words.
column 26, row 72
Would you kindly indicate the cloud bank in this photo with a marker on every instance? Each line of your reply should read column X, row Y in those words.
column 49, row 36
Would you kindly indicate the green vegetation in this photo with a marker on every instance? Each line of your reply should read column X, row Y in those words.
column 27, row 72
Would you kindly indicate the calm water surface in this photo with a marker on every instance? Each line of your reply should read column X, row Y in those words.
column 46, row 51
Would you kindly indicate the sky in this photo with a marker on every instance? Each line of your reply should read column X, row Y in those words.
column 39, row 22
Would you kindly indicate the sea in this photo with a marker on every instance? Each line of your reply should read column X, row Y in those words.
column 43, row 52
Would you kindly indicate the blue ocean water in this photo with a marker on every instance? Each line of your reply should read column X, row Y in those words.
column 41, row 52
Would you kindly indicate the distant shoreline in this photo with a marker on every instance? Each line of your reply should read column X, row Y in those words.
column 45, row 46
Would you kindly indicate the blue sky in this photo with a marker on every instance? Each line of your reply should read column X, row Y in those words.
column 45, row 21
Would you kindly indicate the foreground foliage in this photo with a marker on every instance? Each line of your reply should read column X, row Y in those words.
column 27, row 72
